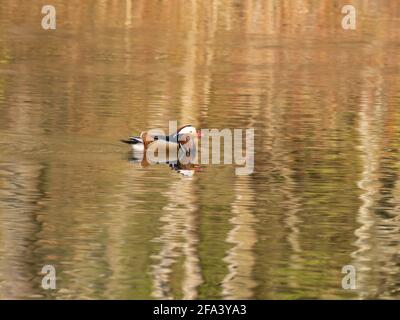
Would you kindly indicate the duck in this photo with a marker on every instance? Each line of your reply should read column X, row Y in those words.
column 148, row 140
column 179, row 146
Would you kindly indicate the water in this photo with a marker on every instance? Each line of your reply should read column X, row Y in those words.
column 325, row 193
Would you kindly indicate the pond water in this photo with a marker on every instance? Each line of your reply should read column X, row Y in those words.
column 325, row 191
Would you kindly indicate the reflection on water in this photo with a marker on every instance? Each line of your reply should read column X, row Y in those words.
column 178, row 237
column 325, row 191
column 377, row 225
column 239, row 282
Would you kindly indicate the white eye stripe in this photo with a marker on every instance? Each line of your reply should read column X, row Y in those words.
column 188, row 130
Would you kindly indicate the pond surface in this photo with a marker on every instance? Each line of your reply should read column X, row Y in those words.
column 325, row 192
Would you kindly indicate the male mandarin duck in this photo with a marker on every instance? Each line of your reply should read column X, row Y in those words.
column 177, row 148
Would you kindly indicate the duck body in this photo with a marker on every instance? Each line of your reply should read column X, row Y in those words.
column 153, row 142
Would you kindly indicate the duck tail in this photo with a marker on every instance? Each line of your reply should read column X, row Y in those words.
column 132, row 140
column 126, row 141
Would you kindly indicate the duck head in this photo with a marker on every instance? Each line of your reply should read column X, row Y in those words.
column 188, row 130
